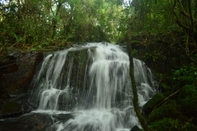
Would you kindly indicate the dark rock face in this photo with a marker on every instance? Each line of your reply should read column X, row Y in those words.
column 16, row 74
column 33, row 122
column 7, row 65
column 11, row 108
column 29, row 122
column 150, row 105
column 135, row 128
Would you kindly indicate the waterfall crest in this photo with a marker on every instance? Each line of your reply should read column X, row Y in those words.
column 102, row 102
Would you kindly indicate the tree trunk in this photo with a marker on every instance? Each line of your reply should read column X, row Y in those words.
column 195, row 9
column 54, row 20
column 142, row 120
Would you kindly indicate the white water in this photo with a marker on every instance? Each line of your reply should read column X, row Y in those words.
column 106, row 104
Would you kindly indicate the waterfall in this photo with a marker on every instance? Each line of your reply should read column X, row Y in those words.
column 97, row 92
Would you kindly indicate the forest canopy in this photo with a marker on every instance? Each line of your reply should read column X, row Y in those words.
column 39, row 23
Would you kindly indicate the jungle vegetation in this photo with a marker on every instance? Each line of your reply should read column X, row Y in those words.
column 166, row 29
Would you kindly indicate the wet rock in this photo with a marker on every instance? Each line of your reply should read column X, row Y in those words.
column 169, row 109
column 150, row 105
column 10, row 109
column 16, row 74
column 135, row 128
column 8, row 65
column 28, row 122
column 63, row 117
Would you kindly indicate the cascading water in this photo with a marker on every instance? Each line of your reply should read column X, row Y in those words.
column 104, row 103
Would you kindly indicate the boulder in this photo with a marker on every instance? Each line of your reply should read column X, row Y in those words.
column 169, row 109
column 28, row 122
column 150, row 105
column 135, row 128
column 16, row 74
column 34, row 122
column 11, row 108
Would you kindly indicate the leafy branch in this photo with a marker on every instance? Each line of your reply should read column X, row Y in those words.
column 184, row 17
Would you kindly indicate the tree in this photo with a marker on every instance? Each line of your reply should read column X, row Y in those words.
column 185, row 13
column 142, row 120
column 152, row 16
column 51, row 22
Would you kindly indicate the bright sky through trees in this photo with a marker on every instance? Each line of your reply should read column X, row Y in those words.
column 127, row 2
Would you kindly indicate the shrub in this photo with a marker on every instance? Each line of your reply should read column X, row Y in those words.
column 169, row 109
column 166, row 124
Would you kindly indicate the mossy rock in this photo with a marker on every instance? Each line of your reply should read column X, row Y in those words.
column 135, row 128
column 169, row 124
column 189, row 103
column 30, row 122
column 11, row 108
column 188, row 99
column 165, row 88
column 150, row 105
column 188, row 106
column 188, row 90
column 183, row 81
column 169, row 109
column 166, row 124
column 186, row 80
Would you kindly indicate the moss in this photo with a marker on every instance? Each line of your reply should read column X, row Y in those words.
column 166, row 124
column 165, row 87
column 187, row 100
column 183, row 81
column 169, row 124
column 169, row 109
column 135, row 128
column 10, row 108
column 188, row 90
column 150, row 105
column 188, row 106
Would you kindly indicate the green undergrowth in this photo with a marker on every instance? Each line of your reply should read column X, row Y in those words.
column 177, row 112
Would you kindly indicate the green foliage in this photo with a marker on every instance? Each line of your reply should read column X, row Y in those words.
column 188, row 90
column 188, row 98
column 185, row 13
column 39, row 24
column 185, row 77
column 134, row 51
column 165, row 87
column 177, row 112
column 169, row 109
column 190, row 72
column 154, row 56
column 166, row 124
column 153, row 16
column 169, row 124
